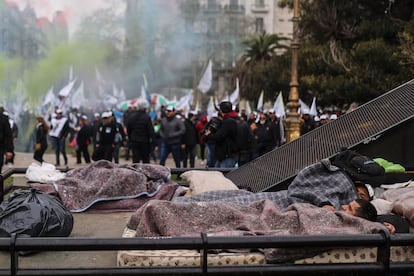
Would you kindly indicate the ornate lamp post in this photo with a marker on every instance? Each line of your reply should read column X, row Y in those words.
column 292, row 122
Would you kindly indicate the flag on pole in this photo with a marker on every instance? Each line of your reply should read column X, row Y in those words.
column 279, row 106
column 207, row 79
column 185, row 103
column 234, row 97
column 144, row 95
column 304, row 108
column 145, row 80
column 248, row 108
column 71, row 73
column 211, row 110
column 78, row 97
column 260, row 102
column 49, row 97
column 65, row 91
column 313, row 109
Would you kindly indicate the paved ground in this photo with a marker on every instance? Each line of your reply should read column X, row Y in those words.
column 85, row 225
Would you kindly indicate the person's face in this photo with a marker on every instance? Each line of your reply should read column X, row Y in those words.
column 362, row 193
column 262, row 117
column 170, row 113
column 105, row 120
column 350, row 208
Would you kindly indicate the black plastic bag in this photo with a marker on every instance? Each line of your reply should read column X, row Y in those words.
column 32, row 213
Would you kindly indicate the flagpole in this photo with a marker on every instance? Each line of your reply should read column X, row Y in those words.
column 292, row 122
column 195, row 82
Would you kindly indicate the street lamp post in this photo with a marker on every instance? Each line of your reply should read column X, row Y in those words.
column 292, row 122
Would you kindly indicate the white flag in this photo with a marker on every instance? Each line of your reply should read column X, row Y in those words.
column 49, row 97
column 207, row 79
column 304, row 108
column 211, row 110
column 260, row 102
column 71, row 73
column 184, row 103
column 143, row 94
column 78, row 97
column 65, row 91
column 279, row 106
column 234, row 97
column 313, row 109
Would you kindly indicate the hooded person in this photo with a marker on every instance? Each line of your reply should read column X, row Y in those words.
column 225, row 138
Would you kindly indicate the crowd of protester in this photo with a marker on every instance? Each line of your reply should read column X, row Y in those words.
column 229, row 138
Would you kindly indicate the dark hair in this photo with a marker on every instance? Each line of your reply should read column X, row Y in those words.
column 366, row 210
column 226, row 107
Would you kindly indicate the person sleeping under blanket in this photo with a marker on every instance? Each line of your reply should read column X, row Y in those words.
column 320, row 184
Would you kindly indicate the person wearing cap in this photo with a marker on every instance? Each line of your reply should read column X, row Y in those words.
column 140, row 132
column 83, row 139
column 171, row 131
column 6, row 138
column 59, row 130
column 276, row 121
column 105, row 139
column 225, row 138
column 96, row 122
column 308, row 124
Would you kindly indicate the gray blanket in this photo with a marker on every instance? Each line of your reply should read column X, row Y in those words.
column 318, row 184
column 106, row 181
column 165, row 218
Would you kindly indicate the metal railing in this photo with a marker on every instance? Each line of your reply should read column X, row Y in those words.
column 383, row 241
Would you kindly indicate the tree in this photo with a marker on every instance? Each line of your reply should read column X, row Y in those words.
column 259, row 67
column 350, row 50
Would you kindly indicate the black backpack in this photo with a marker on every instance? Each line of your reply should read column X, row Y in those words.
column 360, row 167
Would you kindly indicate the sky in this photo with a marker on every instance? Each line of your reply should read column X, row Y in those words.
column 75, row 10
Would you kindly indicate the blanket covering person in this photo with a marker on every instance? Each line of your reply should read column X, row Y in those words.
column 318, row 184
column 175, row 219
column 106, row 181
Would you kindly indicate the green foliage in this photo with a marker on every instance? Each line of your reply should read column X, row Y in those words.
column 260, row 68
column 350, row 50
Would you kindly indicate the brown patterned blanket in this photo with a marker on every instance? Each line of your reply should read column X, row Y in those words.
column 105, row 181
column 164, row 218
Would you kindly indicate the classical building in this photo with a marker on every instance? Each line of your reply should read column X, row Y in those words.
column 227, row 21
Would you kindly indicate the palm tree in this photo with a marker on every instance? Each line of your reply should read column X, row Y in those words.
column 256, row 66
column 261, row 48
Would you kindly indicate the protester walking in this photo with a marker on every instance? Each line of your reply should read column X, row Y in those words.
column 40, row 145
column 105, row 140
column 171, row 131
column 58, row 133
column 83, row 140
column 140, row 133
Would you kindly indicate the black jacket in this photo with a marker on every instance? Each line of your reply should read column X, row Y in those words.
column 190, row 137
column 6, row 139
column 139, row 127
column 225, row 139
